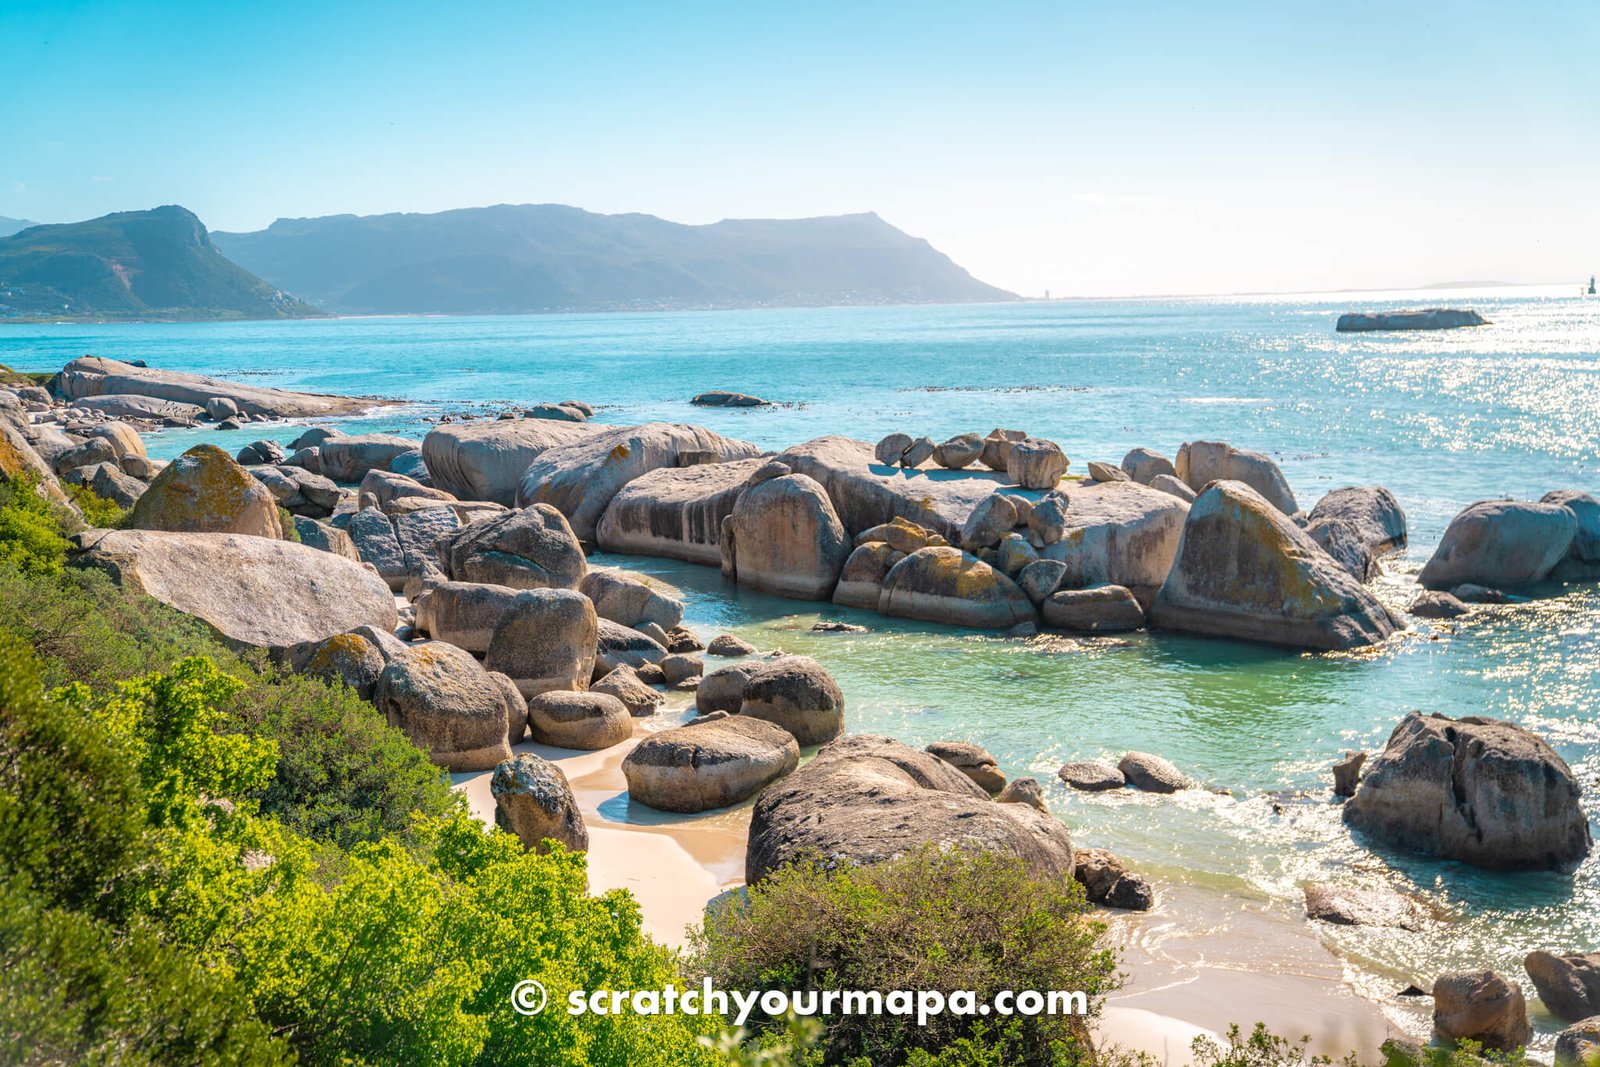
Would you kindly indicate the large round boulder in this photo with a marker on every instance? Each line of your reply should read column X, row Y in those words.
column 1569, row 985
column 860, row 583
column 1202, row 462
column 617, row 645
column 205, row 491
column 1143, row 465
column 785, row 538
column 585, row 721
column 676, row 512
column 947, row 585
column 529, row 549
column 1245, row 570
column 723, row 689
column 484, row 459
column 463, row 716
column 348, row 459
column 546, row 641
column 1501, row 544
column 533, row 800
column 1106, row 609
column 708, row 764
column 866, row 799
column 343, row 659
column 1477, row 790
column 1111, row 533
column 1582, row 561
column 796, row 693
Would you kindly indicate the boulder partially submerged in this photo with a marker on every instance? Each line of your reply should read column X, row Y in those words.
column 866, row 799
column 1501, row 544
column 1245, row 570
column 784, row 537
column 253, row 591
column 1477, row 790
column 949, row 586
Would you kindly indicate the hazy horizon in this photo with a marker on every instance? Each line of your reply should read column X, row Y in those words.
column 1243, row 148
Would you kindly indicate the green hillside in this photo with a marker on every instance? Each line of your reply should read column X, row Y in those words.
column 157, row 264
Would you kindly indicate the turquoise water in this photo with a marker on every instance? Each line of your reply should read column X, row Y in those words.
column 1441, row 419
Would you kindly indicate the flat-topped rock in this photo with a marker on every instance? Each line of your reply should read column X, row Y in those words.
column 580, row 478
column 134, row 406
column 253, row 591
column 1411, row 319
column 584, row 721
column 865, row 799
column 349, row 459
column 708, row 764
column 1091, row 776
column 1346, row 905
column 92, row 376
column 972, row 760
column 720, row 398
column 484, row 460
column 676, row 512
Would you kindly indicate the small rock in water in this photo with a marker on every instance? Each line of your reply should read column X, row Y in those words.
column 1092, row 776
column 837, row 628
column 729, row 645
column 718, row 398
column 1347, row 774
column 1151, row 773
column 1472, row 593
column 1106, row 880
column 1569, row 985
column 1481, row 1006
column 1344, row 905
column 1437, row 604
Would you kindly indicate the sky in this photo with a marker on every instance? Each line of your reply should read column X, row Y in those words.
column 1087, row 149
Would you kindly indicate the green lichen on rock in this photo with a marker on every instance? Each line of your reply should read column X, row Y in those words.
column 205, row 491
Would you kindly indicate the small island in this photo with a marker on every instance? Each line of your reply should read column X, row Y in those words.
column 1412, row 319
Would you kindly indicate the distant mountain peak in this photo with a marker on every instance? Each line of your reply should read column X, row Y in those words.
column 555, row 257
column 155, row 264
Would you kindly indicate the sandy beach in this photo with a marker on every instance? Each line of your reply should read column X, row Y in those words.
column 1194, row 964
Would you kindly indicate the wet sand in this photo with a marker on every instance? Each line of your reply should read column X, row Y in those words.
column 1196, row 963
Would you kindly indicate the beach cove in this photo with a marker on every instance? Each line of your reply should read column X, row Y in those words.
column 1441, row 421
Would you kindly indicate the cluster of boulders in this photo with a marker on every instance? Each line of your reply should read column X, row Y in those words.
column 1491, row 1010
column 1030, row 462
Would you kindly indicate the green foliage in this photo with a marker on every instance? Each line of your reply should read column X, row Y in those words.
column 1464, row 1054
column 87, row 979
column 286, row 520
column 30, row 533
column 97, row 511
column 1261, row 1048
column 343, row 774
column 934, row 920
column 789, row 1047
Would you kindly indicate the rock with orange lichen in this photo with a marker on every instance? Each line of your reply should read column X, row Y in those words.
column 205, row 491
column 465, row 717
column 949, row 586
column 1245, row 570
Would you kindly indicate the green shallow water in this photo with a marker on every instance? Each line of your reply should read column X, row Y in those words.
column 1441, row 418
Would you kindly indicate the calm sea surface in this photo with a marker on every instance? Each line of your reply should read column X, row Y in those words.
column 1442, row 419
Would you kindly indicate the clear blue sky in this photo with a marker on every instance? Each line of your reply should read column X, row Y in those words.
column 1194, row 147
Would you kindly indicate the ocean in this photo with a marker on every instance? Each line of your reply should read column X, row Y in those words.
column 1442, row 419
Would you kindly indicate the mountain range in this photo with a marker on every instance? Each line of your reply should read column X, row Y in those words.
column 163, row 264
column 11, row 226
column 548, row 257
column 157, row 264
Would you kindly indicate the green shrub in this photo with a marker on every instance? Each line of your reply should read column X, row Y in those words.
column 343, row 773
column 933, row 920
column 31, row 538
column 87, row 980
column 286, row 520
column 97, row 511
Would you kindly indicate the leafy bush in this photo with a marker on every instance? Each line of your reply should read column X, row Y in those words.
column 399, row 953
column 30, row 532
column 97, row 510
column 343, row 774
column 933, row 920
